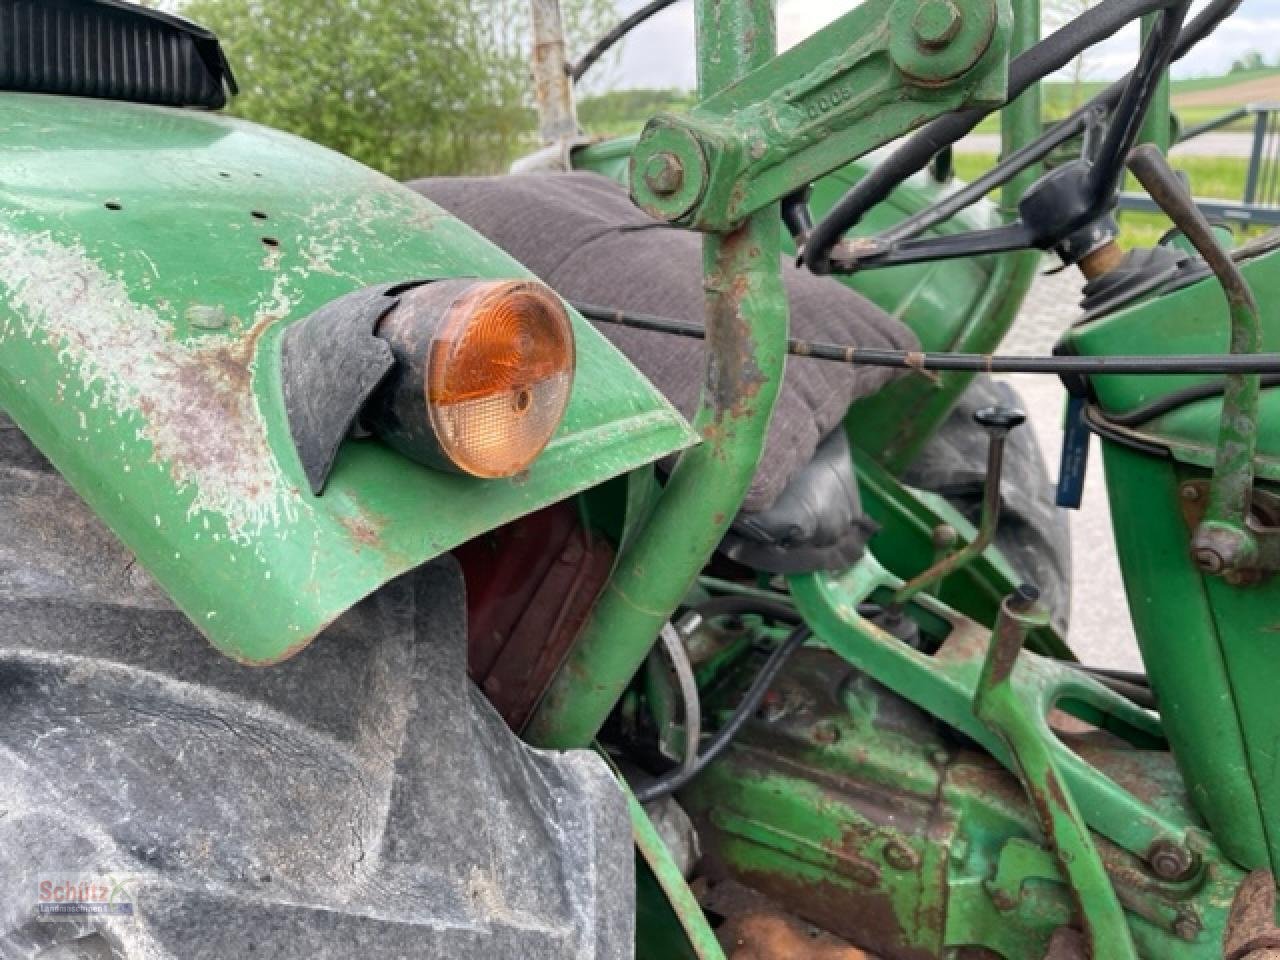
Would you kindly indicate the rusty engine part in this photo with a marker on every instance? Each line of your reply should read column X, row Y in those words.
column 1251, row 932
column 754, row 928
column 529, row 587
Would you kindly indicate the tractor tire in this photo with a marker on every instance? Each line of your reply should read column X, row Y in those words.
column 1033, row 534
column 359, row 800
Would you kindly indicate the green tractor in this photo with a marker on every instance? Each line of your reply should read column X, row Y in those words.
column 550, row 566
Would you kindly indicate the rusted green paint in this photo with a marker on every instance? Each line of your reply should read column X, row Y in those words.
column 650, row 846
column 998, row 704
column 1224, row 542
column 894, row 424
column 746, row 321
column 951, row 563
column 150, row 260
column 869, row 820
column 945, row 683
column 908, row 518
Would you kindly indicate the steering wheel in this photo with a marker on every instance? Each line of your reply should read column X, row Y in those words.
column 1064, row 209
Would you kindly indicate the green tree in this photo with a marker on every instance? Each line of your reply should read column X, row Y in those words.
column 1250, row 61
column 409, row 87
column 1056, row 14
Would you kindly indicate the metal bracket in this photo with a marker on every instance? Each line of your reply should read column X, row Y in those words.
column 1263, row 523
column 883, row 69
column 1227, row 541
column 945, row 685
column 998, row 705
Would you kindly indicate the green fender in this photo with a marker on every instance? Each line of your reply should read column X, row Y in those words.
column 150, row 260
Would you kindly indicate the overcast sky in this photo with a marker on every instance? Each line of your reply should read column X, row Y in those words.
column 660, row 53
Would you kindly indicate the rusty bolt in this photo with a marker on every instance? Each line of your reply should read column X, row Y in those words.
column 936, row 23
column 1170, row 860
column 664, row 174
column 1003, row 901
column 900, row 855
column 1208, row 559
column 944, row 536
column 826, row 732
column 1187, row 926
column 1190, row 492
column 866, row 874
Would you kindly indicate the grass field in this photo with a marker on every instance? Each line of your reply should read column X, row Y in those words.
column 1194, row 100
column 1210, row 177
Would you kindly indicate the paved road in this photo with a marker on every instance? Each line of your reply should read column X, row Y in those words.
column 1206, row 145
column 1100, row 630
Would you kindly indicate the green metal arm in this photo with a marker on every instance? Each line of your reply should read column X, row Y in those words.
column 998, row 705
column 881, row 70
column 945, row 685
column 1226, row 542
column 746, row 348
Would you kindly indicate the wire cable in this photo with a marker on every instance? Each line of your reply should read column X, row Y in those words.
column 691, row 705
column 1205, row 363
column 671, row 782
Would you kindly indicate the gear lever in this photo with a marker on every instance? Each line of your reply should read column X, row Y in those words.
column 997, row 422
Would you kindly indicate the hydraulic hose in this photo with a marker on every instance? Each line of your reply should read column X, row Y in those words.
column 602, row 46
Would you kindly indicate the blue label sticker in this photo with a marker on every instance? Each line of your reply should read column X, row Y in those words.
column 1075, row 455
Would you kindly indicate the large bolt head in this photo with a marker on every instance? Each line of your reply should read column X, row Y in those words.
column 1170, row 860
column 936, row 23
column 1208, row 559
column 664, row 174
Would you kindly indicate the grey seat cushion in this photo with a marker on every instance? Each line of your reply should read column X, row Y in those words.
column 580, row 233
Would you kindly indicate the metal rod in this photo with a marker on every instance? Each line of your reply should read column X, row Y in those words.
column 553, row 93
column 746, row 324
column 987, row 526
column 973, row 362
column 1255, row 157
column 1221, row 539
column 1210, row 125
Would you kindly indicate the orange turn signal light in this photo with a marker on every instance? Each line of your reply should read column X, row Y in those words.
column 482, row 377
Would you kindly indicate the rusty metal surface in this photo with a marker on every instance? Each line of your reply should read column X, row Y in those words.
column 552, row 85
column 1251, row 932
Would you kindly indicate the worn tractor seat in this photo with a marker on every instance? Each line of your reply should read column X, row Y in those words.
column 580, row 233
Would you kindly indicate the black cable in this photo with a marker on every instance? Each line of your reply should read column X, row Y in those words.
column 1209, row 363
column 601, row 46
column 1134, row 687
column 915, row 153
column 669, row 783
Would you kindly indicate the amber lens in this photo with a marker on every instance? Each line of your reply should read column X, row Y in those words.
column 499, row 374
